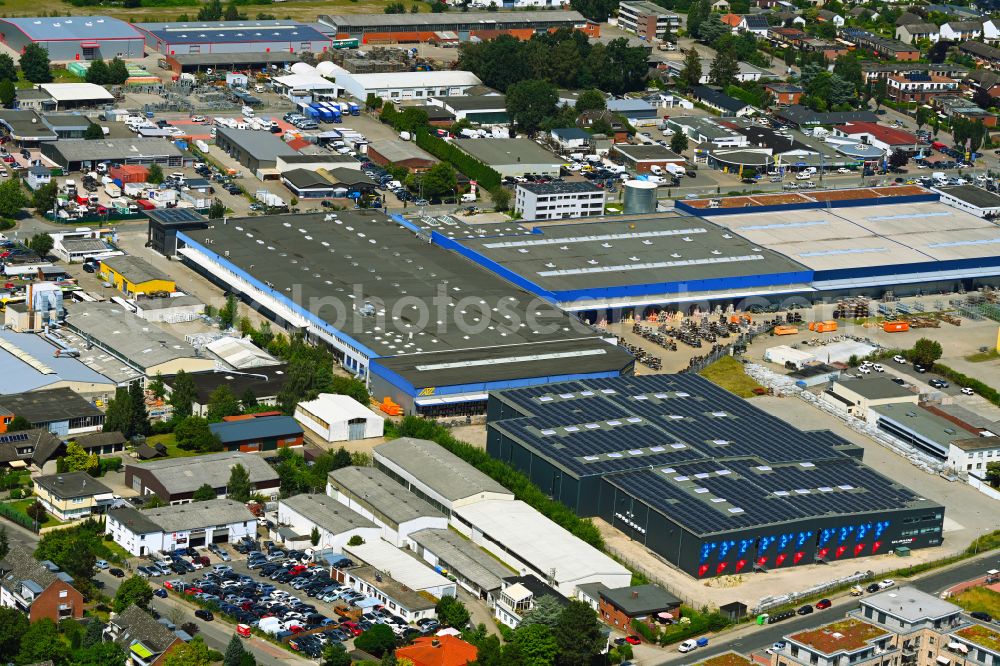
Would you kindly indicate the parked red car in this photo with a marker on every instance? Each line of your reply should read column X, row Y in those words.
column 633, row 640
column 823, row 603
column 351, row 627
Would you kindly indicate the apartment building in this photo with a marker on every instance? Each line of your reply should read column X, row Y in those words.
column 915, row 87
column 646, row 19
column 37, row 590
column 557, row 201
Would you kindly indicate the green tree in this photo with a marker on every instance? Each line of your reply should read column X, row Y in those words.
column 314, row 536
column 97, row 73
column 452, row 612
column 154, row 502
column 117, row 71
column 4, row 547
column 18, row 423
column 356, row 540
column 724, row 70
column 93, row 634
column 192, row 653
column 239, row 487
column 546, row 612
column 537, row 645
column 8, row 71
column 126, row 412
column 924, row 115
column 44, row 198
column 98, row 654
column 93, row 132
column 182, row 395
column 690, row 74
column 227, row 313
column 578, row 634
column 204, row 493
column 377, row 640
column 13, row 626
column 438, row 181
column 501, row 198
column 211, row 12
column 334, row 654
column 193, row 434
column 41, row 244
column 138, row 416
column 217, row 210
column 155, row 174
column 8, row 93
column 78, row 460
column 925, row 352
column 529, row 102
column 410, row 119
column 590, row 100
column 232, row 13
column 12, row 197
column 992, row 475
column 233, row 655
column 679, row 142
column 133, row 590
column 156, row 386
column 248, row 400
column 35, row 64
column 41, row 642
column 222, row 403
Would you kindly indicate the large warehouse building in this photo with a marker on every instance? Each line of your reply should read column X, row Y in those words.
column 239, row 37
column 74, row 37
column 763, row 247
column 452, row 26
column 432, row 331
column 703, row 478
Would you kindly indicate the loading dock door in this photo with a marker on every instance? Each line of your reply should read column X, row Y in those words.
column 220, row 536
column 197, row 539
column 356, row 429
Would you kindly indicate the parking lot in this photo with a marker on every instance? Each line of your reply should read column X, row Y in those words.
column 277, row 592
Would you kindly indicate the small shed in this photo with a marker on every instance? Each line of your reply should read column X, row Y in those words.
column 338, row 418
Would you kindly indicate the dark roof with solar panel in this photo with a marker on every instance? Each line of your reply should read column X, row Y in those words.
column 704, row 457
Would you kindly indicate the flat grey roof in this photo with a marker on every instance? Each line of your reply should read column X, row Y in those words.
column 641, row 599
column 911, row 604
column 923, row 422
column 460, row 555
column 135, row 339
column 234, row 58
column 28, row 362
column 876, row 388
column 381, row 495
column 397, row 151
column 183, row 475
column 560, row 188
column 72, row 484
column 135, row 269
column 115, row 149
column 972, row 195
column 25, row 123
column 646, row 7
column 498, row 152
column 359, row 256
column 476, row 20
column 474, row 102
column 651, row 250
column 647, row 152
column 58, row 404
column 438, row 468
column 183, row 517
column 333, row 516
column 977, row 443
column 260, row 145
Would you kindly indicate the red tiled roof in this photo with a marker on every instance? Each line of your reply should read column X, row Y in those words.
column 732, row 20
column 893, row 137
column 449, row 651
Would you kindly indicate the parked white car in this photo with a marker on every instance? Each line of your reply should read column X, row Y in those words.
column 687, row 646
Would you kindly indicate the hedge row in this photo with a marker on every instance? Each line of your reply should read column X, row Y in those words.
column 15, row 516
column 505, row 475
column 699, row 623
column 979, row 387
column 470, row 166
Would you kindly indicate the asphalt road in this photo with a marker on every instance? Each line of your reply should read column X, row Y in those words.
column 755, row 638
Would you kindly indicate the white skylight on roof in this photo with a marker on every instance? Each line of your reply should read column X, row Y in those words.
column 548, row 432
column 723, row 472
column 678, row 446
column 763, row 468
column 657, row 449
column 571, row 429
column 825, row 489
column 701, row 491
column 608, row 391
column 807, row 464
column 846, row 487
column 545, row 398
column 614, row 423
column 614, row 455
column 680, row 478
column 591, row 457
column 635, row 452
column 640, row 397
column 718, row 500
column 682, row 394
column 781, row 493
column 702, row 475
column 661, row 396
column 591, row 426
column 634, row 419
column 735, row 509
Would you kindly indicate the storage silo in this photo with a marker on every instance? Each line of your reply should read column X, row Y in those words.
column 640, row 197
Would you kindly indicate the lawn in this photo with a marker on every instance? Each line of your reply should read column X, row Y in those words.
column 59, row 75
column 728, row 373
column 979, row 599
column 22, row 506
column 169, row 441
column 980, row 357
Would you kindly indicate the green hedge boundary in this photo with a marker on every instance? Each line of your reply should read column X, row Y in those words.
column 486, row 177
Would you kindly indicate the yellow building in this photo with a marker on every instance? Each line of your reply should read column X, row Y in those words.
column 134, row 276
column 72, row 495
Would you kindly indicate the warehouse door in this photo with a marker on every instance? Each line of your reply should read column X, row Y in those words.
column 196, row 538
column 220, row 536
column 356, row 429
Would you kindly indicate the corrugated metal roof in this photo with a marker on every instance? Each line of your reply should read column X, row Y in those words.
column 233, row 31
column 63, row 28
column 23, row 357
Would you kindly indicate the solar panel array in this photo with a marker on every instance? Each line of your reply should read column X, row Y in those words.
column 14, row 437
column 701, row 455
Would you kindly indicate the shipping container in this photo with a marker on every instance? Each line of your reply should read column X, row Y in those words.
column 785, row 330
column 895, row 326
column 130, row 173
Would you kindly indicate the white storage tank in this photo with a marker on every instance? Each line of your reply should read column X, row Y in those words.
column 640, row 197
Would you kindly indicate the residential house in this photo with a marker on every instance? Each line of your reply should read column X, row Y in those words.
column 981, row 52
column 991, row 30
column 973, row 452
column 911, row 32
column 37, row 177
column 443, row 650
column 647, row 19
column 881, row 46
column 648, row 604
column 830, row 50
column 72, row 495
column 954, row 31
column 587, row 120
column 919, row 87
column 788, row 19
column 872, row 70
column 957, row 106
column 826, row 16
column 36, row 589
column 755, row 24
column 518, row 596
column 29, row 447
column 786, row 36
column 957, row 12
column 732, row 20
column 784, row 93
column 716, row 99
column 862, row 13
column 909, row 17
column 145, row 641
